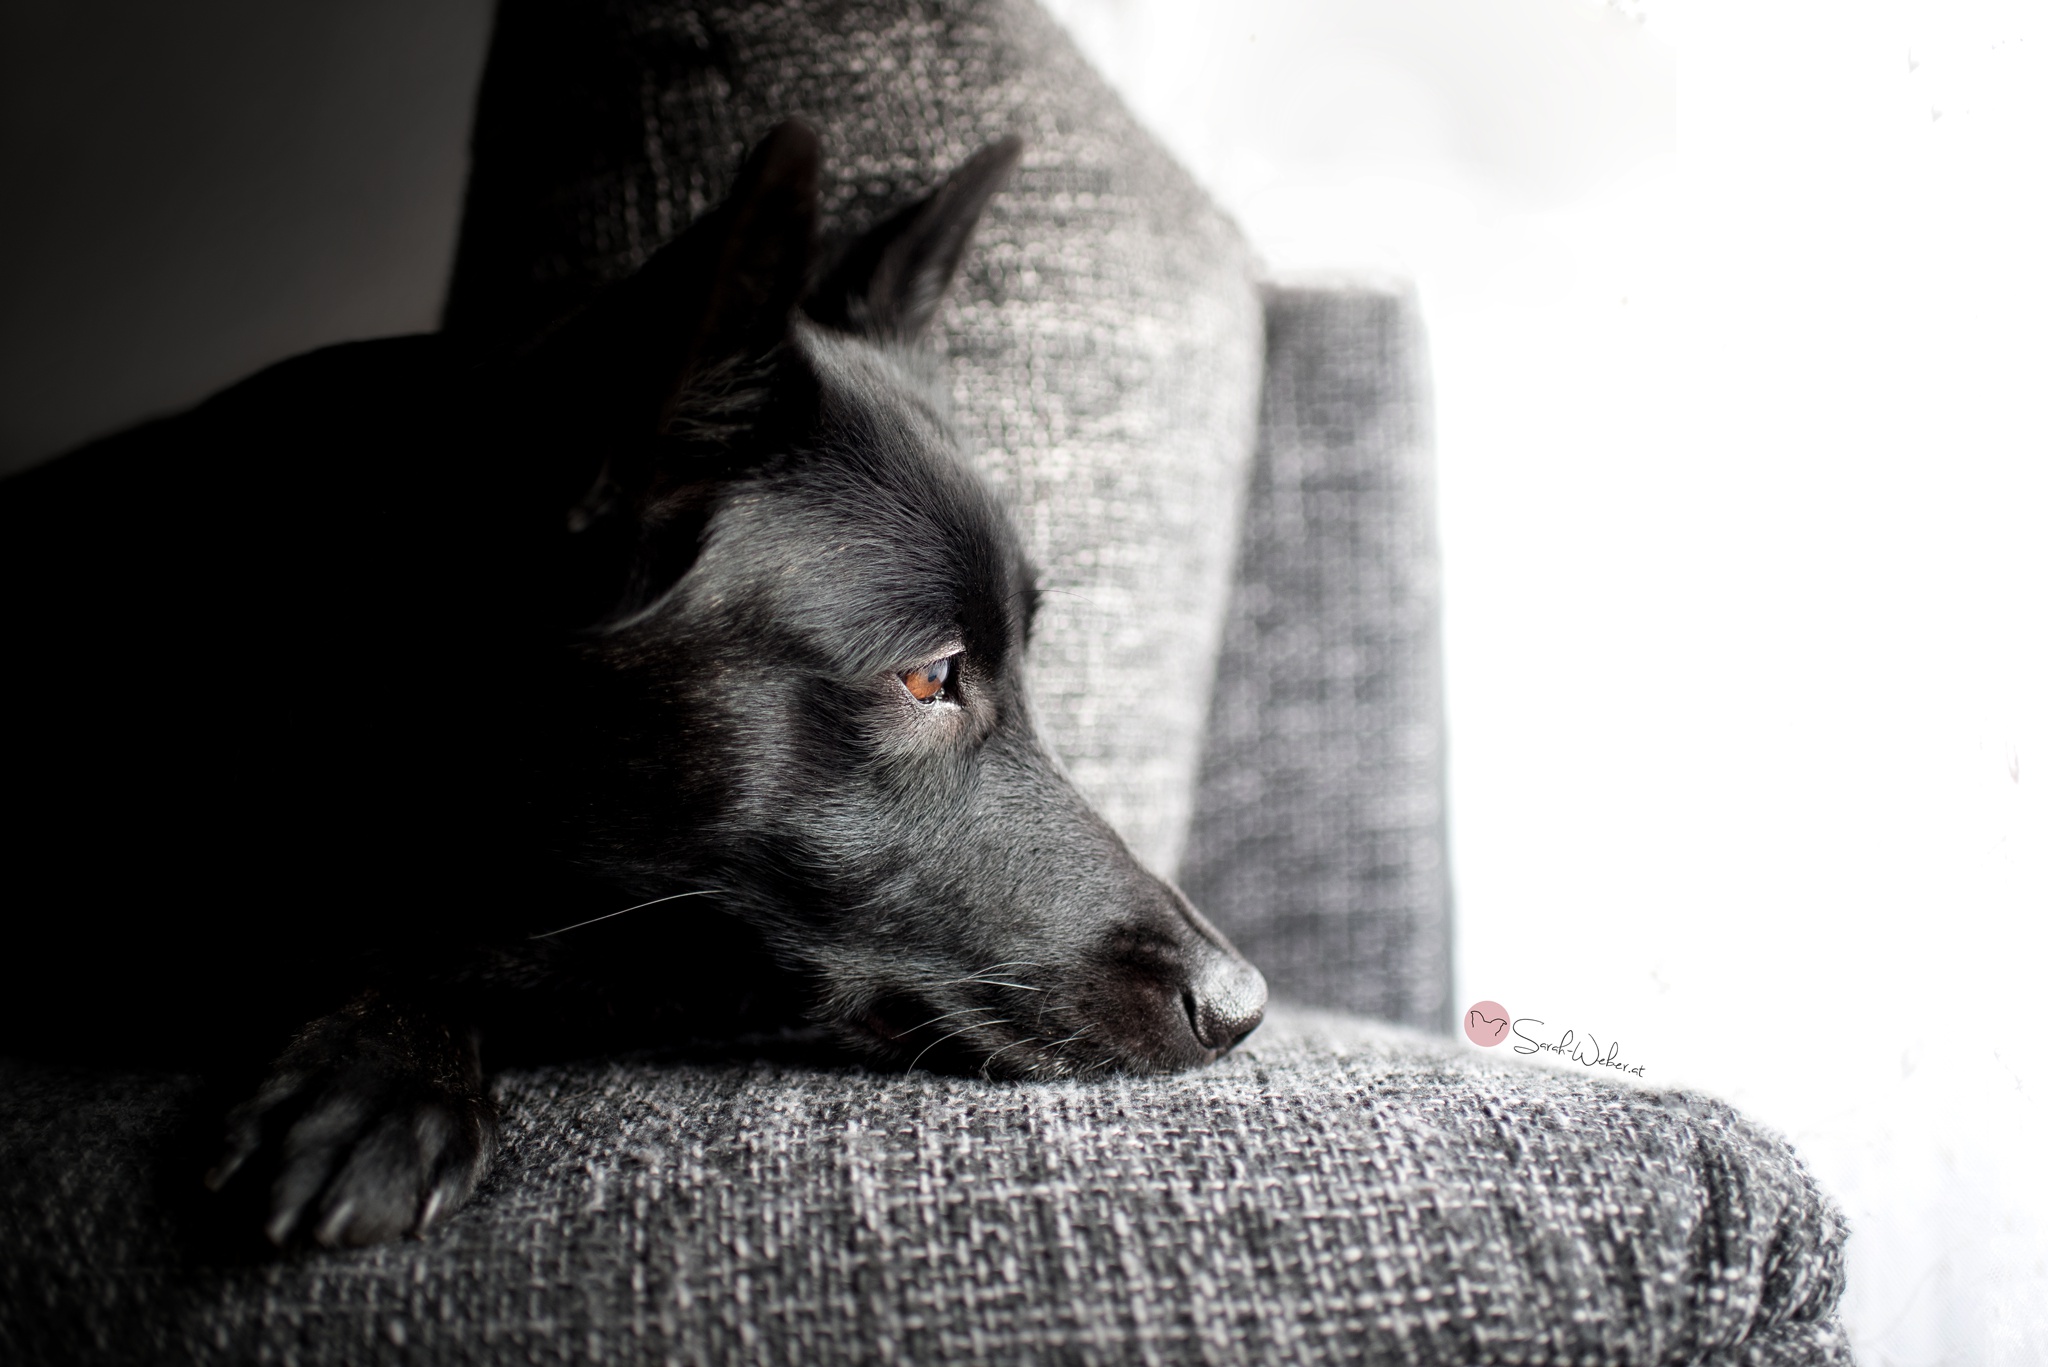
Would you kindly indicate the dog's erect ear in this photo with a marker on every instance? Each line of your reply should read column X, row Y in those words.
column 647, row 397
column 892, row 279
column 717, row 297
column 761, row 253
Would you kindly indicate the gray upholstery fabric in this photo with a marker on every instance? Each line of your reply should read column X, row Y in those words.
column 1103, row 347
column 1318, row 842
column 1333, row 1193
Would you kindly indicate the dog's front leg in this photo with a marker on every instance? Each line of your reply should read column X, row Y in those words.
column 372, row 1124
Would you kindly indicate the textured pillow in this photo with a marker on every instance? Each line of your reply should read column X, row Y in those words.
column 1103, row 345
column 1331, row 1193
column 1318, row 842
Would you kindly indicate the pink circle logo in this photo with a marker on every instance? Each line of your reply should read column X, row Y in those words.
column 1486, row 1024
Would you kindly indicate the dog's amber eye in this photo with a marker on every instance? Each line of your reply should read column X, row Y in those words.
column 927, row 682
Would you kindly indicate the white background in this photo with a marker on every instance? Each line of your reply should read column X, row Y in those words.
column 1741, row 347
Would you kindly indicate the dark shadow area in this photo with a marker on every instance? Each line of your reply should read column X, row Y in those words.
column 197, row 190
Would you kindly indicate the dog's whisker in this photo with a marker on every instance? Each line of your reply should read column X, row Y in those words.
column 980, row 976
column 971, row 1025
column 1059, row 1052
column 701, row 892
column 947, row 1016
column 1058, row 1048
column 1028, row 1039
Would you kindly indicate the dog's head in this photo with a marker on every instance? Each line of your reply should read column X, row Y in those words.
column 804, row 618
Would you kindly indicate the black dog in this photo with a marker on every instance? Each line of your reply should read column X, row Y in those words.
column 660, row 681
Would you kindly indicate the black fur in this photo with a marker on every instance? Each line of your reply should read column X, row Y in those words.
column 374, row 691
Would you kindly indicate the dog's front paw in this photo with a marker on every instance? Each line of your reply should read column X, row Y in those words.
column 372, row 1125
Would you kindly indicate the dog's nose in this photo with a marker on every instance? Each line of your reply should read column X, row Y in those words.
column 1227, row 1001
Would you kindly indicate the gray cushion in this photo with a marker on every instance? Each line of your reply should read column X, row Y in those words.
column 1318, row 842
column 1103, row 347
column 1334, row 1192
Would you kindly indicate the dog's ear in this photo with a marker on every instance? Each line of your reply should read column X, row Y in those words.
column 650, row 394
column 760, row 258
column 891, row 280
column 713, row 300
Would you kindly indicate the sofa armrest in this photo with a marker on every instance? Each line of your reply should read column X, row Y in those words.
column 1333, row 1192
column 1318, row 837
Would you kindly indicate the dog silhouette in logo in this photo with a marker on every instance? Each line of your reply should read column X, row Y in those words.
column 1479, row 1023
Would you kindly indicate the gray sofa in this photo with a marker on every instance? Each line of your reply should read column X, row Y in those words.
column 1229, row 490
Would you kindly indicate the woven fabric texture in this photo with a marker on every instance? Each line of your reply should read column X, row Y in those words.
column 1332, row 1193
column 1318, row 839
column 1102, row 347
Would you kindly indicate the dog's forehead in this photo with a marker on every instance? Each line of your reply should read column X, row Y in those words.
column 874, row 542
column 883, row 455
